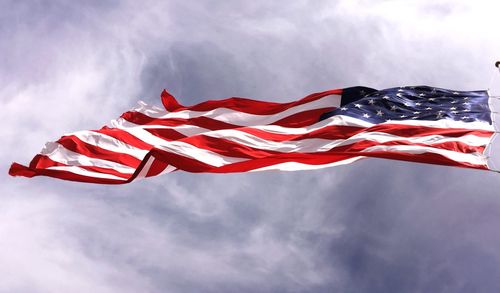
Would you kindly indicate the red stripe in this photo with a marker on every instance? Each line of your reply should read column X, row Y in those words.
column 125, row 137
column 310, row 159
column 327, row 132
column 243, row 104
column 65, row 175
column 43, row 162
column 343, row 132
column 232, row 149
column 204, row 122
column 414, row 130
column 74, row 144
column 320, row 159
column 165, row 133
column 226, row 147
column 185, row 163
column 302, row 119
column 428, row 158
column 156, row 168
column 20, row 170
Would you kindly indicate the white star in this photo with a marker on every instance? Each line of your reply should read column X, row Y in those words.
column 366, row 115
column 454, row 112
column 402, row 116
column 416, row 112
column 418, row 104
column 466, row 98
column 416, row 117
column 343, row 109
column 357, row 106
column 439, row 115
column 393, row 108
column 400, row 90
column 421, row 95
column 371, row 101
column 407, row 104
column 385, row 98
column 432, row 99
column 399, row 95
column 455, row 93
column 467, row 110
column 379, row 113
column 465, row 117
column 454, row 102
column 428, row 108
column 453, row 108
column 466, row 103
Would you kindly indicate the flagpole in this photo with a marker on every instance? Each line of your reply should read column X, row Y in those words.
column 497, row 65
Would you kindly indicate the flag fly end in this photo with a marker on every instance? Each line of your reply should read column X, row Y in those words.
column 20, row 170
column 169, row 101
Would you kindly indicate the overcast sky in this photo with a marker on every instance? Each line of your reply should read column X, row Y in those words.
column 373, row 226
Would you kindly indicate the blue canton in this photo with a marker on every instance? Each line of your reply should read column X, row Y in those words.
column 418, row 103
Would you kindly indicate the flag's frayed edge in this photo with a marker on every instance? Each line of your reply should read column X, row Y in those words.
column 169, row 101
column 21, row 170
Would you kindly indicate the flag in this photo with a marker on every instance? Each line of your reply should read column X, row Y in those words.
column 418, row 123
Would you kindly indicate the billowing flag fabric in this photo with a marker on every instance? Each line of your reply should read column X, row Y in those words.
column 420, row 124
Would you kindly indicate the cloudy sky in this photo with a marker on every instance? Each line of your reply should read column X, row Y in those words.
column 373, row 226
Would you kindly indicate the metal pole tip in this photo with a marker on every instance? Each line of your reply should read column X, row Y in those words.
column 497, row 64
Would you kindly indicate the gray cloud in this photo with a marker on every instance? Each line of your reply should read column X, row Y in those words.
column 374, row 226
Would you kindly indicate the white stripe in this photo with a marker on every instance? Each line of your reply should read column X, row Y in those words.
column 109, row 143
column 473, row 158
column 60, row 154
column 295, row 166
column 145, row 169
column 446, row 123
column 138, row 132
column 202, row 155
column 189, row 130
column 185, row 129
column 237, row 117
column 339, row 120
column 310, row 145
column 168, row 169
column 81, row 171
column 342, row 120
column 182, row 148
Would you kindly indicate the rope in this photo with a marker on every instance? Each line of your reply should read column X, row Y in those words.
column 491, row 78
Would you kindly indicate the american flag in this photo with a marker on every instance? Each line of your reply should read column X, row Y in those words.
column 418, row 123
